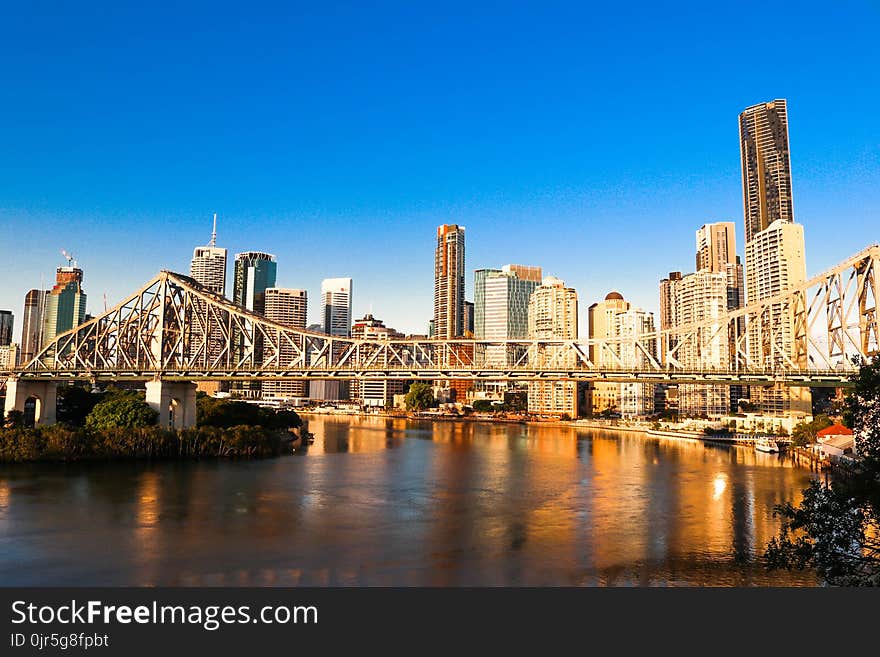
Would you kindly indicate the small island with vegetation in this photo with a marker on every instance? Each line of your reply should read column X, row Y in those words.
column 119, row 424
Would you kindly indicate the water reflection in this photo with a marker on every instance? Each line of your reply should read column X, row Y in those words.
column 380, row 501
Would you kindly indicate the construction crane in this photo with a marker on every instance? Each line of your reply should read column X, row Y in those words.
column 69, row 257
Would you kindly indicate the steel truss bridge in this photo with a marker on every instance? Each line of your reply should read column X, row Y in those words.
column 174, row 329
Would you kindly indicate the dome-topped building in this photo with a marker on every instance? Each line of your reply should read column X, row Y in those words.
column 614, row 295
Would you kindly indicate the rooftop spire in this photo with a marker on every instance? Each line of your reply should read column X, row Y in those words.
column 214, row 232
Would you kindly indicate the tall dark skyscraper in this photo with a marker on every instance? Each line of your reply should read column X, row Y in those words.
column 65, row 303
column 775, row 253
column 254, row 273
column 766, row 166
column 32, row 324
column 6, row 324
column 449, row 282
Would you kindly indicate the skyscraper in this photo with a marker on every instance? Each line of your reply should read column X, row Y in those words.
column 335, row 320
column 468, row 319
column 32, row 324
column 702, row 297
column 65, row 303
column 603, row 396
column 766, row 166
column 716, row 246
column 336, row 306
column 636, row 345
column 6, row 324
column 501, row 312
column 208, row 266
column 668, row 288
column 449, row 269
column 254, row 273
column 716, row 253
column 774, row 249
column 289, row 307
column 501, row 301
column 553, row 315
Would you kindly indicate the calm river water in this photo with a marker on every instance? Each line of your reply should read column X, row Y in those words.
column 382, row 502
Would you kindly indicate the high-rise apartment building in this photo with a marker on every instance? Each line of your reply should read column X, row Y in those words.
column 777, row 264
column 716, row 254
column 774, row 253
column 32, row 324
column 668, row 288
column 553, row 315
column 766, row 166
column 289, row 307
column 633, row 330
column 6, row 326
column 208, row 265
column 603, row 396
column 449, row 259
column 65, row 303
column 702, row 297
column 716, row 246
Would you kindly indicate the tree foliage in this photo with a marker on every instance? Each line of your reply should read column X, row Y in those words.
column 419, row 397
column 805, row 433
column 836, row 528
column 225, row 413
column 483, row 406
column 124, row 411
column 60, row 442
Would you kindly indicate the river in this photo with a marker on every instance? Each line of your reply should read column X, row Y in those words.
column 392, row 502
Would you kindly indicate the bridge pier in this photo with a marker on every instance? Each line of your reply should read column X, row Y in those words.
column 175, row 402
column 44, row 393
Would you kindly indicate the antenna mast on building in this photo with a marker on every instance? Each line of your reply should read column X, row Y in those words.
column 214, row 232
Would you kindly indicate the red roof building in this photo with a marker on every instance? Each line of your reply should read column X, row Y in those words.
column 834, row 430
column 836, row 440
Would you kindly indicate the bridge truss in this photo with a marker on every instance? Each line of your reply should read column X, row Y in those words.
column 173, row 328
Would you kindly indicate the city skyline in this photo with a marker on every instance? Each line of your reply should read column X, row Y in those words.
column 533, row 155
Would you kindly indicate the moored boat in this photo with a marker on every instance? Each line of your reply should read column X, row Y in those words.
column 766, row 445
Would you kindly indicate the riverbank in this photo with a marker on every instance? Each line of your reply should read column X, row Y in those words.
column 602, row 425
column 59, row 443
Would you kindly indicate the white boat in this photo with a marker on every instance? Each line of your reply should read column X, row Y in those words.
column 766, row 445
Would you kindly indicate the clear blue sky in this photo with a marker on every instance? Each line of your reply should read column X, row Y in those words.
column 592, row 141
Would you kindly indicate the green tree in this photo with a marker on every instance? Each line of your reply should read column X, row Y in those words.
column 419, row 397
column 483, row 406
column 836, row 527
column 225, row 413
column 127, row 411
column 805, row 433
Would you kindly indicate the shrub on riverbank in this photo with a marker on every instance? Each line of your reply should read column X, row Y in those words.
column 61, row 443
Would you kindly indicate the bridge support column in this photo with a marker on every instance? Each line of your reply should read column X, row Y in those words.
column 44, row 394
column 175, row 401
